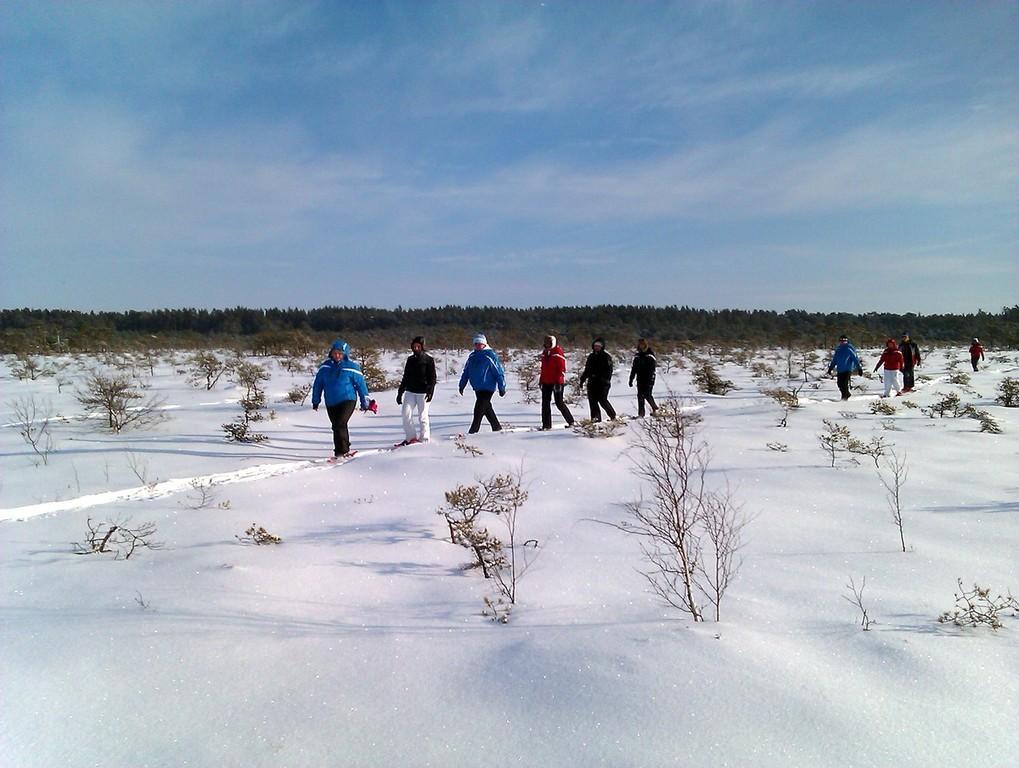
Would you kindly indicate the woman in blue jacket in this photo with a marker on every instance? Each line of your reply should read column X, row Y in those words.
column 845, row 360
column 342, row 382
column 485, row 374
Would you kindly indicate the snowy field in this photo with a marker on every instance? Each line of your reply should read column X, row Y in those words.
column 360, row 640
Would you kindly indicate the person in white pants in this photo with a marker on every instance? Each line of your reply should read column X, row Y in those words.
column 415, row 393
column 892, row 360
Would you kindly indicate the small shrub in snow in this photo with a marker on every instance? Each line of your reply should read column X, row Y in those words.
column 298, row 394
column 780, row 447
column 256, row 534
column 206, row 369
column 465, row 511
column 464, row 447
column 691, row 534
column 948, row 405
column 976, row 607
column 119, row 537
column 959, row 379
column 788, row 399
column 32, row 421
column 118, row 401
column 240, row 431
column 893, row 478
column 528, row 372
column 909, row 404
column 987, row 422
column 1008, row 393
column 594, row 429
column 882, row 407
column 706, row 378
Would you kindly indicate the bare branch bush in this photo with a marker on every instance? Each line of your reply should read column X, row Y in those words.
column 788, row 399
column 298, row 394
column 119, row 537
column 882, row 408
column 119, row 402
column 893, row 478
column 976, row 607
column 32, row 421
column 250, row 376
column 855, row 598
column 201, row 494
column 463, row 446
column 691, row 535
column 527, row 372
column 140, row 469
column 206, row 368
column 256, row 534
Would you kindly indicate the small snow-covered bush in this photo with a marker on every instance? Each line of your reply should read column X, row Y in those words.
column 298, row 394
column 949, row 405
column 976, row 607
column 987, row 422
column 1008, row 393
column 882, row 407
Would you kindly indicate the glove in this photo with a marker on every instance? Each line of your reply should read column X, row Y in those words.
column 399, row 398
column 631, row 383
column 461, row 390
column 502, row 393
column 859, row 371
column 314, row 407
column 428, row 397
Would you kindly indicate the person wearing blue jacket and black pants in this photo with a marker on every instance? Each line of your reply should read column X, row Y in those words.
column 485, row 374
column 340, row 379
column 846, row 361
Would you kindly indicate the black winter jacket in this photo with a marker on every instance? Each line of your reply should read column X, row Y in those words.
column 643, row 368
column 418, row 375
column 598, row 369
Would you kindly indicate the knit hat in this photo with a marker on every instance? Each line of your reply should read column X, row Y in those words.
column 479, row 338
column 418, row 340
column 599, row 340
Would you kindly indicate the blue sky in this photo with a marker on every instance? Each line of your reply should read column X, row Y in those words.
column 835, row 156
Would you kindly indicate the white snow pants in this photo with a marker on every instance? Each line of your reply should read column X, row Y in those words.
column 893, row 380
column 412, row 401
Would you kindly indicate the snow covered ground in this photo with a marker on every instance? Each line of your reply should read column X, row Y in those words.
column 359, row 640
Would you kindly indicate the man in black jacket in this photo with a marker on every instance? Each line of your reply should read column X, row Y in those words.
column 416, row 389
column 910, row 360
column 643, row 370
column 598, row 375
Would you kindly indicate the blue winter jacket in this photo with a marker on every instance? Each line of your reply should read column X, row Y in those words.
column 844, row 359
column 340, row 381
column 484, row 371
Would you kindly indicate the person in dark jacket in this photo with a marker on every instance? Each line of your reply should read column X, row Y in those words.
column 415, row 392
column 551, row 380
column 845, row 360
column 976, row 354
column 643, row 370
column 598, row 375
column 910, row 360
column 485, row 374
column 340, row 379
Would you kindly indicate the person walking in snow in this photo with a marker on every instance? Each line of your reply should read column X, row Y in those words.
column 340, row 379
column 552, row 380
column 598, row 375
column 643, row 370
column 910, row 360
column 415, row 392
column 892, row 361
column 976, row 354
column 846, row 361
column 485, row 374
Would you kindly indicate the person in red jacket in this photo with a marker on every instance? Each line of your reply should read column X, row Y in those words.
column 552, row 380
column 892, row 360
column 976, row 354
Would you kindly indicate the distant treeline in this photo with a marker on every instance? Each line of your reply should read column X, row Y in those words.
column 284, row 330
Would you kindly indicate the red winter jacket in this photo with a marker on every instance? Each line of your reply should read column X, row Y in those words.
column 892, row 359
column 553, row 366
column 976, row 351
